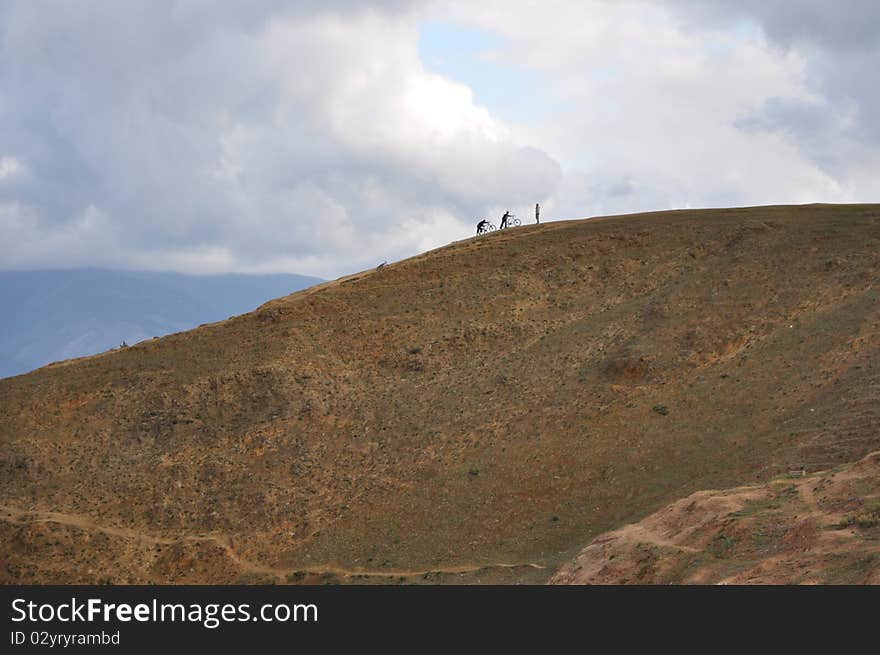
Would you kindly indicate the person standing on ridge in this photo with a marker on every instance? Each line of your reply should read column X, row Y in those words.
column 537, row 213
column 504, row 220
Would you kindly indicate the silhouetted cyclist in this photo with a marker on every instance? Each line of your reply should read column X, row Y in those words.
column 482, row 225
column 504, row 220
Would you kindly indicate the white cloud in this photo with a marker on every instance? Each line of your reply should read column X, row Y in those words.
column 653, row 106
column 9, row 167
column 313, row 136
column 309, row 137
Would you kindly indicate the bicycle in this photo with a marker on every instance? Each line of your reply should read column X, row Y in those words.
column 488, row 227
column 512, row 221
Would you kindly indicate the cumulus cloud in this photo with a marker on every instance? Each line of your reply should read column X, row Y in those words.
column 836, row 126
column 668, row 104
column 197, row 135
column 207, row 137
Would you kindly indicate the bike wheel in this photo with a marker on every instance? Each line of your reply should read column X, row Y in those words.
column 515, row 221
column 489, row 228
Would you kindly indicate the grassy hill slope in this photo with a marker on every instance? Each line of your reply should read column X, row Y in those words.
column 473, row 414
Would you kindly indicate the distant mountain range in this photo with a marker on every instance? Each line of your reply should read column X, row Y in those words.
column 47, row 316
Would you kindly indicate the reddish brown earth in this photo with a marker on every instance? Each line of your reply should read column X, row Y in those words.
column 474, row 414
column 818, row 529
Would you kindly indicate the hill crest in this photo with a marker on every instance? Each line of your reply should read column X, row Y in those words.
column 498, row 401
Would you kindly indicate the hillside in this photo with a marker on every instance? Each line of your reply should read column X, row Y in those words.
column 474, row 414
column 46, row 316
column 817, row 529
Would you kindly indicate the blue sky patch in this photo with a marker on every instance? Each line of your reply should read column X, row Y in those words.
column 464, row 55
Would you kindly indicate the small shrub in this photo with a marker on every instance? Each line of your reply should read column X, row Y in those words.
column 720, row 545
column 869, row 518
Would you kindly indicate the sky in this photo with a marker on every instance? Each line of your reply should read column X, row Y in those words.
column 321, row 138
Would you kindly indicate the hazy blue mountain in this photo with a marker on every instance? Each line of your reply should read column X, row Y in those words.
column 46, row 316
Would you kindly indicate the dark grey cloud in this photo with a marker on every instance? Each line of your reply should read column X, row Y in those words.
column 852, row 24
column 840, row 43
column 817, row 128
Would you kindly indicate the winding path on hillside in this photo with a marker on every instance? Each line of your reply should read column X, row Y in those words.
column 225, row 541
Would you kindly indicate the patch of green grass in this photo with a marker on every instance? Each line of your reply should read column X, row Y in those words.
column 780, row 497
column 586, row 373
column 869, row 517
column 720, row 545
column 866, row 487
column 851, row 570
column 768, row 532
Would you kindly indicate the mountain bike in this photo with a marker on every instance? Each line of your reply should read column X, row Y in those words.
column 512, row 221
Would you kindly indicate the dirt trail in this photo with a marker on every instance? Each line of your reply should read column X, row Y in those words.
column 500, row 399
column 24, row 517
column 225, row 541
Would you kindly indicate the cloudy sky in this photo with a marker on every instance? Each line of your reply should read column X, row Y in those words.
column 322, row 137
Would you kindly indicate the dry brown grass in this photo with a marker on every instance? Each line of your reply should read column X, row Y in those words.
column 336, row 432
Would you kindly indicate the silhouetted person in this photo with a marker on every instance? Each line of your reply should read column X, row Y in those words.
column 504, row 220
column 482, row 225
column 537, row 213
